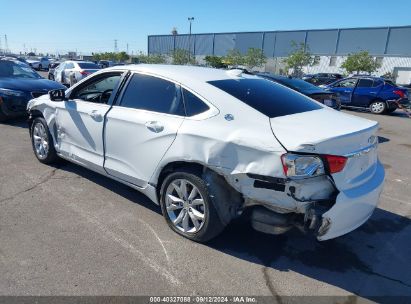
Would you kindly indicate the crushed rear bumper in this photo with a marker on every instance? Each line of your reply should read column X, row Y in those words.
column 353, row 207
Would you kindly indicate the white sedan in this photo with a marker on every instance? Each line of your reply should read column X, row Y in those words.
column 209, row 144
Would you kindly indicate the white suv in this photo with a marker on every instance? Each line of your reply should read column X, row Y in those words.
column 208, row 144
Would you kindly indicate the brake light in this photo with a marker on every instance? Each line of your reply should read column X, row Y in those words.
column 84, row 73
column 399, row 93
column 336, row 163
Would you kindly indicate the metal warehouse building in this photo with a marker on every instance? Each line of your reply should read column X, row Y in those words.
column 391, row 46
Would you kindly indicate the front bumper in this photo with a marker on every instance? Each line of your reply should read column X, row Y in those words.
column 353, row 207
column 13, row 106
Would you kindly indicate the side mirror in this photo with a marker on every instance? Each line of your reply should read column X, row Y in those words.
column 57, row 95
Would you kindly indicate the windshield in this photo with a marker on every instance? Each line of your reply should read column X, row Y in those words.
column 16, row 70
column 88, row 65
column 266, row 96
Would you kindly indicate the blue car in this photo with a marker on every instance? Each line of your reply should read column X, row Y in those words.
column 18, row 84
column 374, row 93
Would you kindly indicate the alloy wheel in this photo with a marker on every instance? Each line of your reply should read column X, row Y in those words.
column 185, row 206
column 377, row 107
column 40, row 141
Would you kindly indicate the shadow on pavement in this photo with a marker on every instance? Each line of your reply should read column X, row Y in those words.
column 372, row 261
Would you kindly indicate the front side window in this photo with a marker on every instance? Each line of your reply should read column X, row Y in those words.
column 98, row 90
column 193, row 104
column 153, row 94
column 267, row 97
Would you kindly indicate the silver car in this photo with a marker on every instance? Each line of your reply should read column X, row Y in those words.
column 70, row 72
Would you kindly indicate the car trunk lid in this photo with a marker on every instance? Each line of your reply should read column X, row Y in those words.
column 329, row 132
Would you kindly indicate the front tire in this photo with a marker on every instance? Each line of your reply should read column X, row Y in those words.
column 42, row 141
column 378, row 107
column 40, row 67
column 187, row 207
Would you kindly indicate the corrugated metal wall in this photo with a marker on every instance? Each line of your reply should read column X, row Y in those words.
column 381, row 41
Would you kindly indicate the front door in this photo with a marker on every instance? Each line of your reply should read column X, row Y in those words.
column 344, row 89
column 80, row 120
column 141, row 127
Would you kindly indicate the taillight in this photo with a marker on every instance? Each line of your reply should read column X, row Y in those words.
column 302, row 166
column 336, row 163
column 84, row 73
column 399, row 93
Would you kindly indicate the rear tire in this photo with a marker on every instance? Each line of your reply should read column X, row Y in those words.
column 40, row 67
column 51, row 77
column 378, row 107
column 192, row 216
column 42, row 141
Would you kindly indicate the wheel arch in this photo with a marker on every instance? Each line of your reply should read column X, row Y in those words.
column 32, row 115
column 226, row 199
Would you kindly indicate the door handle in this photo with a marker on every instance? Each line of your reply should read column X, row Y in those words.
column 154, row 126
column 347, row 91
column 95, row 115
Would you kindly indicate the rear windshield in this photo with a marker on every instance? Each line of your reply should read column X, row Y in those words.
column 88, row 65
column 267, row 97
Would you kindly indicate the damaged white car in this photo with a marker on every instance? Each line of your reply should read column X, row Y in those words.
column 209, row 144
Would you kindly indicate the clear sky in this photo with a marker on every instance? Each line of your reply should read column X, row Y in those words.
column 92, row 26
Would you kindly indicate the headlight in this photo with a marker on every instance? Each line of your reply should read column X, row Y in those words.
column 7, row 92
column 302, row 166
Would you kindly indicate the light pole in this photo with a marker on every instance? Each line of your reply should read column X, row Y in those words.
column 190, row 19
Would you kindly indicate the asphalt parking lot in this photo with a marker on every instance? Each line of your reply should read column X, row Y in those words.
column 67, row 231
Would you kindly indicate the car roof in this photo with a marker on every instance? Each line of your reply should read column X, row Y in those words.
column 183, row 73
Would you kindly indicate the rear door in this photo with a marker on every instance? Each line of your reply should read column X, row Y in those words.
column 80, row 120
column 141, row 127
column 344, row 89
column 365, row 92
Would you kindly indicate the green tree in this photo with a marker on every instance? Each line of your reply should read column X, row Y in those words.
column 234, row 58
column 152, row 58
column 254, row 58
column 215, row 61
column 299, row 58
column 122, row 56
column 181, row 56
column 360, row 62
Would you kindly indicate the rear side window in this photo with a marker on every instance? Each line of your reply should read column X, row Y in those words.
column 153, row 94
column 267, row 97
column 365, row 83
column 194, row 105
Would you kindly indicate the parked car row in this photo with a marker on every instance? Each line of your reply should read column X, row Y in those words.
column 377, row 94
